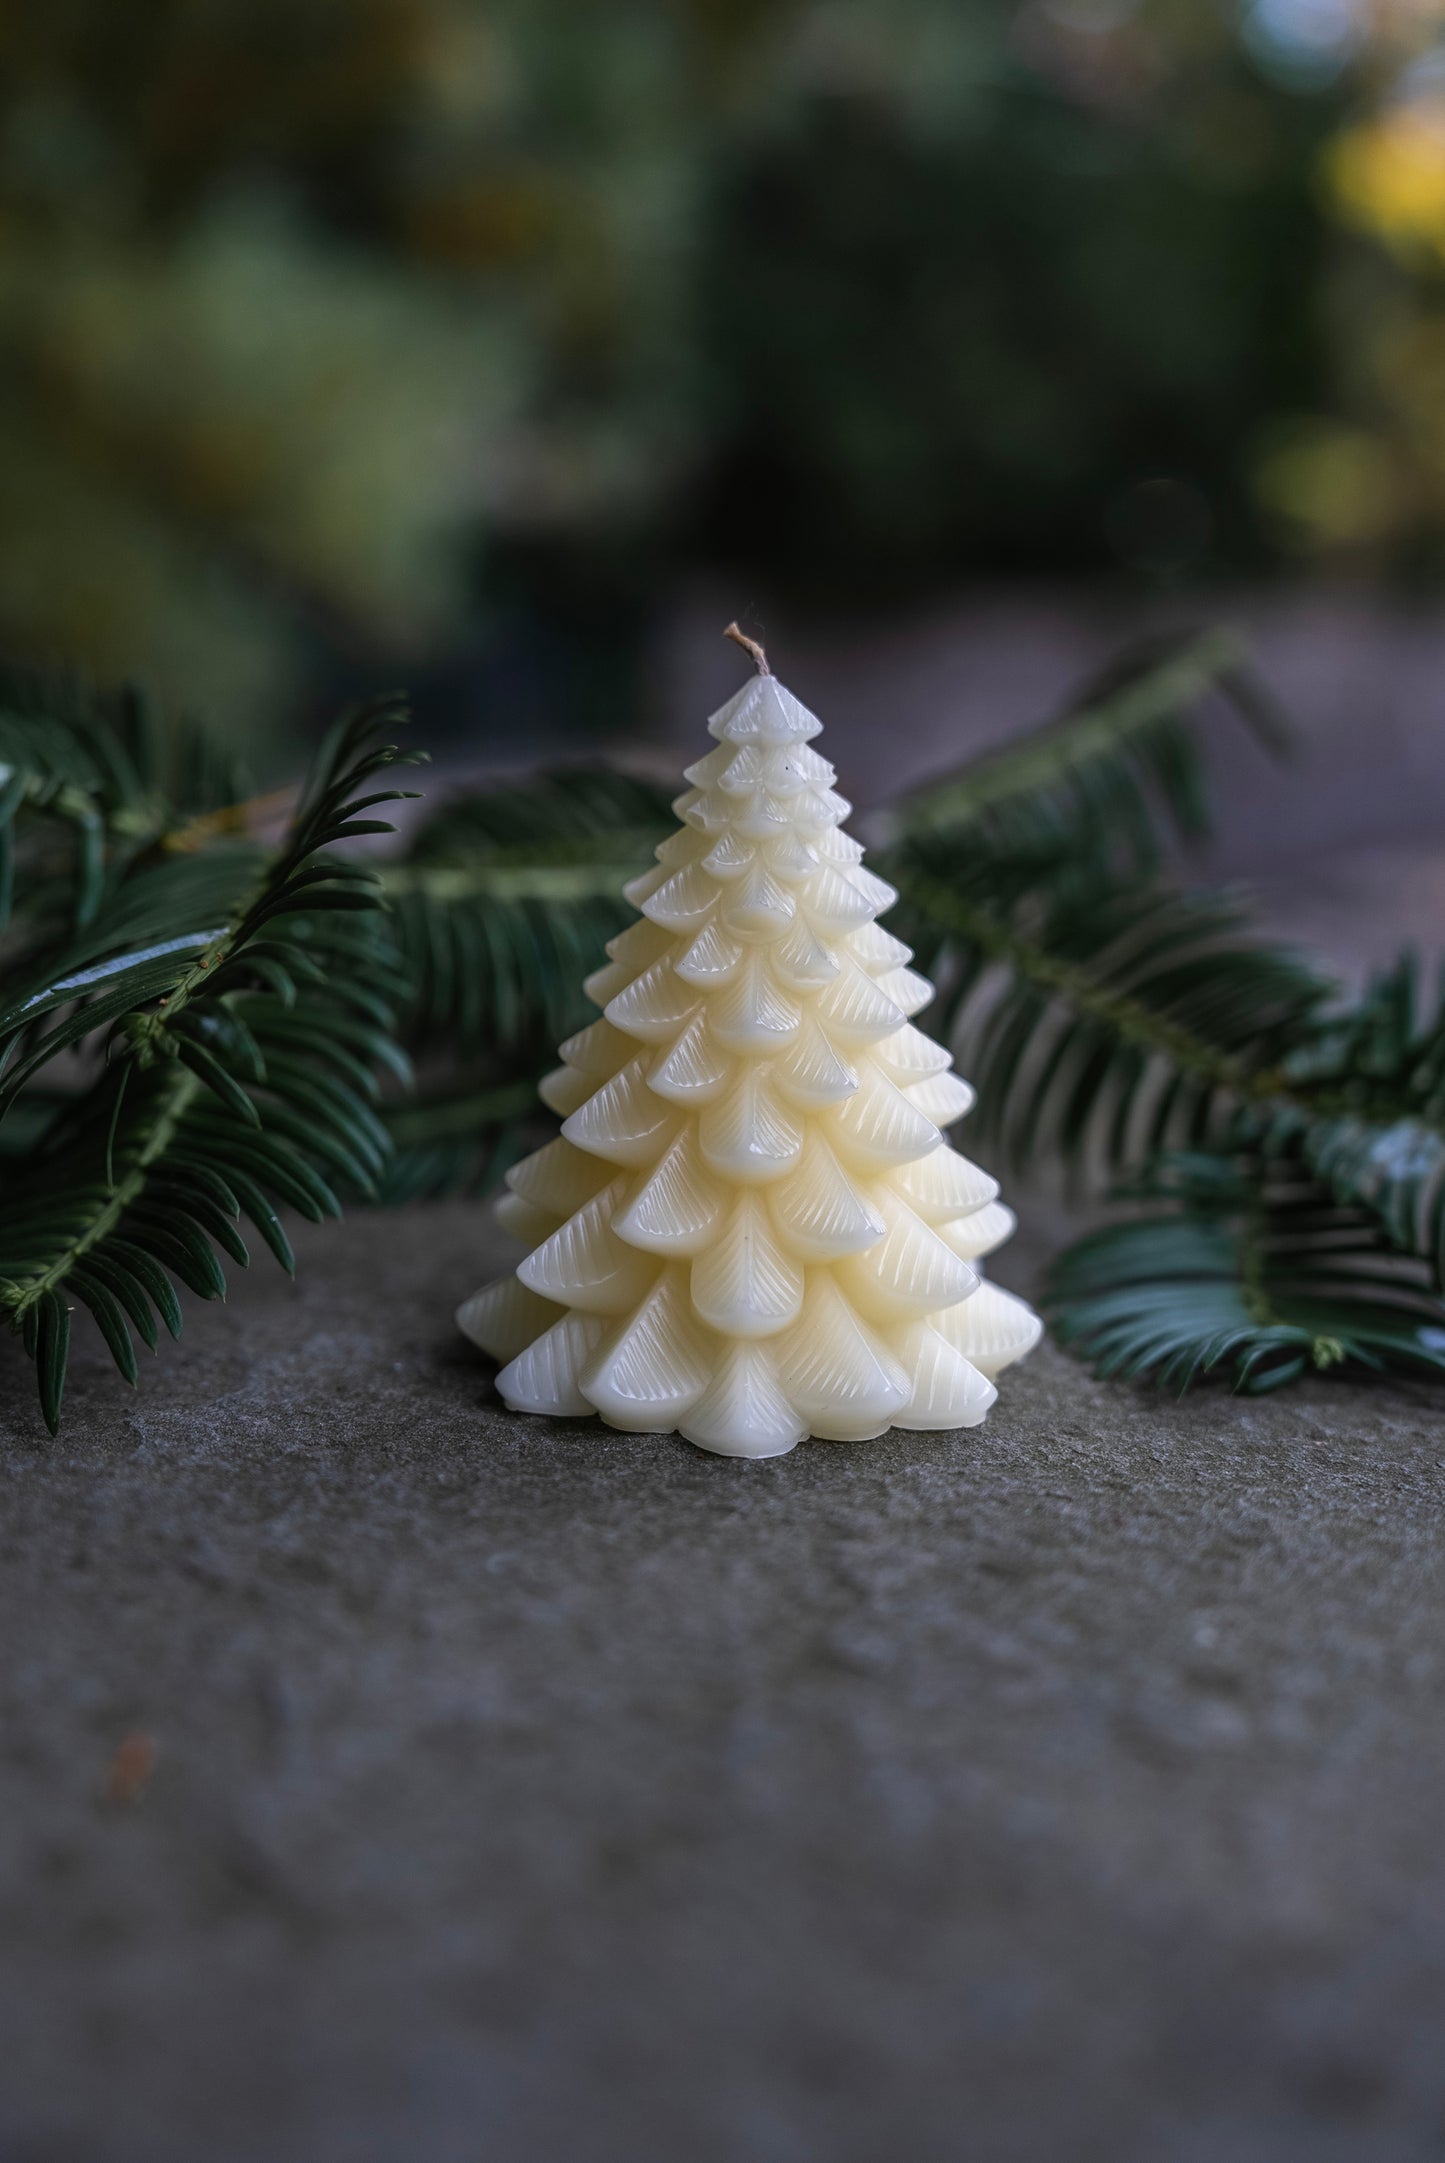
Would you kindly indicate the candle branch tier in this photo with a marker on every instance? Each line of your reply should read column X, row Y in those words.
column 751, row 1228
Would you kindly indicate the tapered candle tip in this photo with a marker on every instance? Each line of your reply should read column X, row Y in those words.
column 749, row 645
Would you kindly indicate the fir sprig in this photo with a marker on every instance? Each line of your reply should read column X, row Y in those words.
column 1251, row 1270
column 231, row 1010
column 501, row 907
column 110, row 771
column 1112, row 774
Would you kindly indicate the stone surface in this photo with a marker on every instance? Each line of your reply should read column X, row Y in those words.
column 1068, row 1788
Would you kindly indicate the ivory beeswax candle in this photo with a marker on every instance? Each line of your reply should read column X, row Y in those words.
column 750, row 1228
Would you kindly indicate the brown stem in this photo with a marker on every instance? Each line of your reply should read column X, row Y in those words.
column 244, row 818
column 749, row 645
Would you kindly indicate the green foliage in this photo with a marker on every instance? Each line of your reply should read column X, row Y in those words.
column 1103, row 784
column 1103, row 1012
column 305, row 304
column 1112, row 1018
column 110, row 772
column 191, row 1031
column 1254, row 1271
column 1108, row 1024
column 500, row 908
column 896, row 298
column 1365, row 1107
column 502, row 902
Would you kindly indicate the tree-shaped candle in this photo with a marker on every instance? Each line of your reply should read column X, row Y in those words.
column 751, row 1229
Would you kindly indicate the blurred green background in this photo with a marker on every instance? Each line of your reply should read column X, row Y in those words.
column 349, row 342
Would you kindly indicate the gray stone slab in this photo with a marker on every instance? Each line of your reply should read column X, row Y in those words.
column 1069, row 1788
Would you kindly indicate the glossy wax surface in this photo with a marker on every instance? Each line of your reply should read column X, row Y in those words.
column 751, row 1228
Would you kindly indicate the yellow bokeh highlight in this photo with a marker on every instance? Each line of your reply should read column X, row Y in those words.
column 1337, row 486
column 1388, row 175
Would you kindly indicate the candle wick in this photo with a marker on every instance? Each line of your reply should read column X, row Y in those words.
column 749, row 645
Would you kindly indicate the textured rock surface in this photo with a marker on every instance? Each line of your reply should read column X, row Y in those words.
column 1068, row 1788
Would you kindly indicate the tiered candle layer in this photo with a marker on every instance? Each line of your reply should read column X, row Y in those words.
column 751, row 1229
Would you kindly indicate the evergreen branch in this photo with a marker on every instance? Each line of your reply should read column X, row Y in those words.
column 503, row 903
column 1082, row 989
column 1102, row 1021
column 500, row 908
column 1255, row 1273
column 1395, row 1171
column 1099, row 1055
column 223, row 1092
column 1100, row 772
column 1106, row 1018
column 106, row 767
column 1365, row 1108
column 460, row 1140
column 1102, row 1013
column 422, row 1121
column 557, row 818
column 593, row 876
